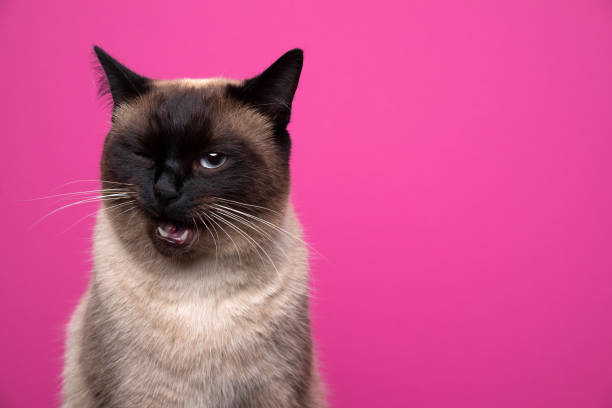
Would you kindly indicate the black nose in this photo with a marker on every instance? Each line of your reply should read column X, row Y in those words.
column 165, row 188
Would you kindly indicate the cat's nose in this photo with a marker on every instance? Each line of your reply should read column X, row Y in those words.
column 165, row 188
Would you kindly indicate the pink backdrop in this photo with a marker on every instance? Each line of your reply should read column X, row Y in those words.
column 452, row 163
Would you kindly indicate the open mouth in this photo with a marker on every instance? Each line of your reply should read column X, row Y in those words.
column 176, row 235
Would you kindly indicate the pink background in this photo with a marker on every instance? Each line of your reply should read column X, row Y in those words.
column 452, row 163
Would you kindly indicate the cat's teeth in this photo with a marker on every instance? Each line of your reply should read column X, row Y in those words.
column 162, row 232
column 178, row 236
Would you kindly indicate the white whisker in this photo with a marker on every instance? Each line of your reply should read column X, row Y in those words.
column 251, row 238
column 245, row 204
column 211, row 235
column 268, row 223
column 85, row 201
column 96, row 180
column 217, row 244
column 238, row 252
column 95, row 212
column 249, row 224
column 75, row 193
column 248, row 239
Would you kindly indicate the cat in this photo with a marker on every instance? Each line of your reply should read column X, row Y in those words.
column 199, row 288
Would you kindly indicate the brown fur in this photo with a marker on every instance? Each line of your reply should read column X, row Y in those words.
column 220, row 326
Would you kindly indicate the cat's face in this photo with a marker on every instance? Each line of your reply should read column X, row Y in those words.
column 198, row 166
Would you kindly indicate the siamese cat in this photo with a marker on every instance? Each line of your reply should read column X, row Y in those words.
column 199, row 289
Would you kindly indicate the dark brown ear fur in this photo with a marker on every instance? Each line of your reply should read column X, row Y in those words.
column 119, row 81
column 272, row 92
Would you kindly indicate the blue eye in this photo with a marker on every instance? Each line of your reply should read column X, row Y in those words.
column 213, row 160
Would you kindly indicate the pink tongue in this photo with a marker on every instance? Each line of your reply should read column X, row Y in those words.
column 175, row 235
column 171, row 229
column 173, row 232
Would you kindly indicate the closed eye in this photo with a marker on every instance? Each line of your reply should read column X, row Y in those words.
column 143, row 156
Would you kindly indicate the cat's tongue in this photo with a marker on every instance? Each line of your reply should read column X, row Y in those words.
column 175, row 235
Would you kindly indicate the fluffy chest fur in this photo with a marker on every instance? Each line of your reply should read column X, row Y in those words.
column 206, row 335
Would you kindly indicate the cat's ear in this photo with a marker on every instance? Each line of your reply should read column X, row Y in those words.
column 272, row 91
column 119, row 81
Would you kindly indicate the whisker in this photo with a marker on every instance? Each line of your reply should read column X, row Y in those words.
column 249, row 224
column 97, row 180
column 195, row 224
column 238, row 252
column 248, row 239
column 254, row 242
column 243, row 221
column 245, row 204
column 211, row 235
column 85, row 201
column 216, row 246
column 276, row 227
column 95, row 212
column 129, row 209
column 100, row 192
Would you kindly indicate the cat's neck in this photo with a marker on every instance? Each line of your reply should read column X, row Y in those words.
column 227, row 273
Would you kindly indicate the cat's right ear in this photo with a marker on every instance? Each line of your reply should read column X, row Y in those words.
column 119, row 81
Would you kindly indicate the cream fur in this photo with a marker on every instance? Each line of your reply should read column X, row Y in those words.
column 183, row 335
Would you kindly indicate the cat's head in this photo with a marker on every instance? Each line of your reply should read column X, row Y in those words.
column 197, row 166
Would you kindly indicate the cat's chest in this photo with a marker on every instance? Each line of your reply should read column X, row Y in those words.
column 197, row 348
column 198, row 324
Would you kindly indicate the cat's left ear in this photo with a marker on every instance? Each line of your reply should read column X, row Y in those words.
column 272, row 91
column 122, row 83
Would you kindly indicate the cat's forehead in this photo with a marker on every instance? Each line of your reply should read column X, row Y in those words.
column 179, row 105
column 188, row 101
column 202, row 83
